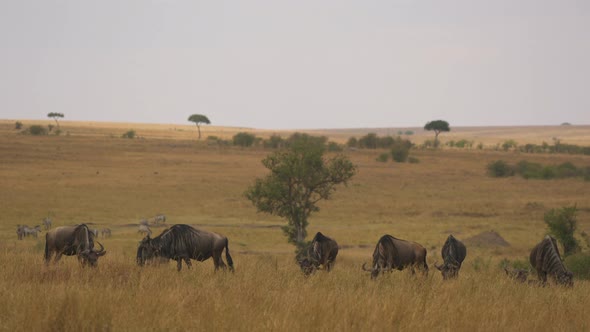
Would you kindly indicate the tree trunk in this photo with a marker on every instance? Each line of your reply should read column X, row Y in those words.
column 300, row 233
column 199, row 129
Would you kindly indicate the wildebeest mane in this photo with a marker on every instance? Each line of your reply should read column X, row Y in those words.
column 82, row 234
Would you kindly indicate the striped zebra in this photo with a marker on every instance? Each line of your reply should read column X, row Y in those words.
column 545, row 258
column 47, row 223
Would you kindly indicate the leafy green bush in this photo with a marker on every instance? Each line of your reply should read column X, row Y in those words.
column 529, row 170
column 274, row 142
column 18, row 125
column 509, row 144
column 129, row 134
column 579, row 264
column 400, row 150
column 37, row 130
column 500, row 168
column 562, row 225
column 384, row 157
column 334, row 147
column 244, row 139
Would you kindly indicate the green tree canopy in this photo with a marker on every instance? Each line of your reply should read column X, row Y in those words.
column 300, row 176
column 562, row 224
column 437, row 126
column 198, row 119
column 54, row 116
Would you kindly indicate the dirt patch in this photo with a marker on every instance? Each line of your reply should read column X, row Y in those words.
column 487, row 239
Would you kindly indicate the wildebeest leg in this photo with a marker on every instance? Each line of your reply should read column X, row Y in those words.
column 57, row 257
column 188, row 263
column 179, row 263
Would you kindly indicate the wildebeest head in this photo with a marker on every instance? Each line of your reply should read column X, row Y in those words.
column 90, row 256
column 147, row 250
column 449, row 270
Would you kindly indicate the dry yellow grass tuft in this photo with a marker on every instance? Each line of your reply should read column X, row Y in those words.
column 96, row 177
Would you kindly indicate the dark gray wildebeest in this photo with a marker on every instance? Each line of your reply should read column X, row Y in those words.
column 453, row 253
column 47, row 223
column 321, row 251
column 395, row 254
column 183, row 242
column 72, row 240
column 545, row 258
column 106, row 232
column 144, row 229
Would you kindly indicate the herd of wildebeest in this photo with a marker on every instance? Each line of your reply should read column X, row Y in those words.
column 183, row 242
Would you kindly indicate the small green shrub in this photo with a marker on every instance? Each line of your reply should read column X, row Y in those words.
column 579, row 264
column 37, row 130
column 18, row 125
column 500, row 168
column 384, row 157
column 334, row 147
column 413, row 160
column 244, row 139
column 562, row 224
column 400, row 150
column 509, row 144
column 50, row 127
column 129, row 134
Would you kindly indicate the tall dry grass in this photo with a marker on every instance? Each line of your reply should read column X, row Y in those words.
column 106, row 181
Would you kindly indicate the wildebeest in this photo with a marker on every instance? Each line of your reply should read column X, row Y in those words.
column 321, row 251
column 72, row 240
column 453, row 253
column 545, row 258
column 144, row 229
column 144, row 222
column 47, row 223
column 393, row 253
column 183, row 242
column 106, row 232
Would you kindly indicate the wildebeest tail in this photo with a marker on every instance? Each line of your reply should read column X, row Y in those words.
column 46, row 256
column 230, row 261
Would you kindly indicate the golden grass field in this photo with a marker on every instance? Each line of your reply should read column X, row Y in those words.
column 91, row 175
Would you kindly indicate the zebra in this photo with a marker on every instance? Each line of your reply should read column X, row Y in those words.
column 160, row 219
column 144, row 229
column 545, row 258
column 106, row 232
column 34, row 231
column 47, row 223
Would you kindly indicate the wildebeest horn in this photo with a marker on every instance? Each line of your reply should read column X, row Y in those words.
column 101, row 251
column 365, row 268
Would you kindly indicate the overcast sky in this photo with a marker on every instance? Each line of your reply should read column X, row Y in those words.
column 297, row 64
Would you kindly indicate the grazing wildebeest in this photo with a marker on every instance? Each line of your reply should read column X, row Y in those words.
column 47, row 223
column 106, row 232
column 144, row 222
column 183, row 242
column 144, row 229
column 453, row 253
column 393, row 253
column 321, row 251
column 519, row 275
column 72, row 240
column 545, row 258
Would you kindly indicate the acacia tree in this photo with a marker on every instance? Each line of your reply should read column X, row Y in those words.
column 437, row 126
column 300, row 177
column 55, row 115
column 198, row 119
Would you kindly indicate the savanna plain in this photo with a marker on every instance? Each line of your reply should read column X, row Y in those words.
column 91, row 175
